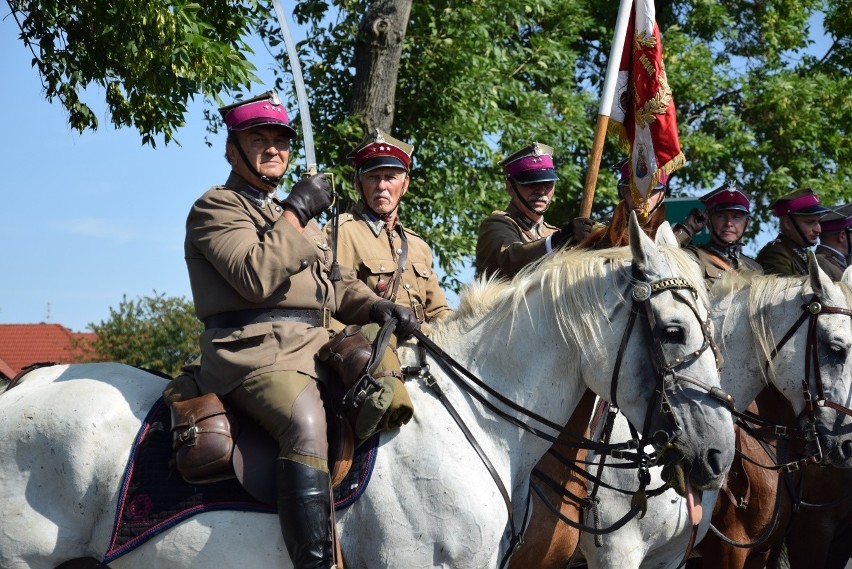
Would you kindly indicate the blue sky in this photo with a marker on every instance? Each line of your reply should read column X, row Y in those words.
column 88, row 218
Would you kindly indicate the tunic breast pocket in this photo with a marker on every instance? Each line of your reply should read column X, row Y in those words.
column 423, row 273
column 378, row 274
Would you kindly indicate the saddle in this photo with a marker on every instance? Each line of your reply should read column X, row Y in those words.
column 212, row 443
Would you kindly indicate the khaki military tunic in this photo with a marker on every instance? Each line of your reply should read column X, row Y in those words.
column 365, row 244
column 831, row 261
column 242, row 254
column 508, row 242
column 783, row 257
column 716, row 262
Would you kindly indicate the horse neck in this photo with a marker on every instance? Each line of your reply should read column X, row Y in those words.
column 523, row 363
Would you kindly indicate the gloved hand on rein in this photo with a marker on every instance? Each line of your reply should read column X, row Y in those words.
column 694, row 222
column 573, row 231
column 309, row 197
column 406, row 322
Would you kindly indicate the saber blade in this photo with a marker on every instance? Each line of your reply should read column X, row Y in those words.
column 299, row 83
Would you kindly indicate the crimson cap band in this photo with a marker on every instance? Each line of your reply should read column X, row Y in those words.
column 265, row 109
column 729, row 196
column 381, row 150
column 624, row 180
column 838, row 219
column 531, row 164
column 800, row 202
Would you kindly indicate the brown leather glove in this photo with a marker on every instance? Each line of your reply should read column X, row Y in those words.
column 695, row 221
column 573, row 231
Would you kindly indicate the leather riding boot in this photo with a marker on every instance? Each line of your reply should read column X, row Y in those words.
column 304, row 509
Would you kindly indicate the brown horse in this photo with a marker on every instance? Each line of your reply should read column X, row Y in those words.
column 546, row 533
column 821, row 532
column 756, row 502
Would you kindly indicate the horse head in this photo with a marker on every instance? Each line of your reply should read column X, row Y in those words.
column 684, row 412
column 829, row 347
column 798, row 339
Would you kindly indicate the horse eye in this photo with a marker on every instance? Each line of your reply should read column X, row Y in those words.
column 837, row 350
column 674, row 334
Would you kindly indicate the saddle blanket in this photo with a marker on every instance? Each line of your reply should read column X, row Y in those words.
column 154, row 497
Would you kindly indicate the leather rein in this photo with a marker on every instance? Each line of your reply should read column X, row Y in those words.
column 666, row 372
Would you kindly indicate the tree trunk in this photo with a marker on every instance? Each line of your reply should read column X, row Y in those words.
column 378, row 50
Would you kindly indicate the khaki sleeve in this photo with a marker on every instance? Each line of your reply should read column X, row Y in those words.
column 501, row 249
column 775, row 261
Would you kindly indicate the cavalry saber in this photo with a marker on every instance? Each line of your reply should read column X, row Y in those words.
column 299, row 83
column 307, row 129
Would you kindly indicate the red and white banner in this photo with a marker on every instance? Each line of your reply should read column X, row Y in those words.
column 643, row 110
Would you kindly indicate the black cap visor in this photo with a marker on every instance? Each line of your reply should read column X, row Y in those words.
column 536, row 176
column 381, row 162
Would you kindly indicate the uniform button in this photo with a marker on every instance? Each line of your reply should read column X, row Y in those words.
column 381, row 267
column 278, row 208
column 304, row 263
column 399, row 251
column 407, row 286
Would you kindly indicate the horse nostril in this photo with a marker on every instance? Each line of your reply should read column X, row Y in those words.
column 714, row 461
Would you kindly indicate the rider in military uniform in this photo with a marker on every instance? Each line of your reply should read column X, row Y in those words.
column 259, row 271
column 834, row 252
column 511, row 239
column 650, row 212
column 728, row 208
column 392, row 260
column 799, row 214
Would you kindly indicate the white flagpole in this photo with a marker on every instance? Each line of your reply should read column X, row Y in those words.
column 610, row 81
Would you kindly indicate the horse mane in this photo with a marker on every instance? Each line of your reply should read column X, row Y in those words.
column 573, row 282
column 763, row 292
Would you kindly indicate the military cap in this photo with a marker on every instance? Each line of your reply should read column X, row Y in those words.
column 800, row 202
column 728, row 196
column 381, row 150
column 531, row 164
column 265, row 109
column 837, row 219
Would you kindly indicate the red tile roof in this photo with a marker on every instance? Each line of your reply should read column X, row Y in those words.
column 25, row 344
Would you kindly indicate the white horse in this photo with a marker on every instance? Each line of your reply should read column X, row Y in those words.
column 541, row 340
column 751, row 316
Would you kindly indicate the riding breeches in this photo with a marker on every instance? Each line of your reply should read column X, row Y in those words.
column 287, row 404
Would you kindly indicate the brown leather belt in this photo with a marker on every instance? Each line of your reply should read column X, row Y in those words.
column 239, row 318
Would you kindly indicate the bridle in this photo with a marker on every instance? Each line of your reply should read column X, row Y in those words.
column 810, row 313
column 667, row 373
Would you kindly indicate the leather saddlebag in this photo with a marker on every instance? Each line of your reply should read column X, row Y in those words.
column 348, row 354
column 202, row 439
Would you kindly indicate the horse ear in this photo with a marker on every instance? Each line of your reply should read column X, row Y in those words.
column 665, row 237
column 816, row 275
column 645, row 252
column 847, row 276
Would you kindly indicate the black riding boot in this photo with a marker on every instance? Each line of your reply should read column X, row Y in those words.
column 304, row 509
